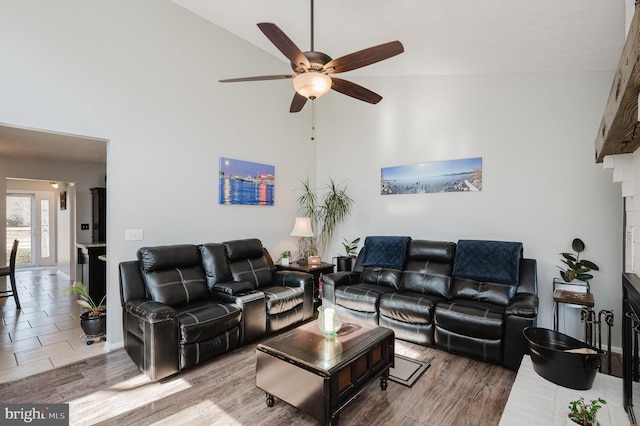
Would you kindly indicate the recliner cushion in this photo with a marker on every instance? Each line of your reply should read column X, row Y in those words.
column 472, row 319
column 437, row 251
column 256, row 271
column 177, row 286
column 173, row 274
column 214, row 263
column 360, row 297
column 249, row 248
column 482, row 291
column 248, row 262
column 168, row 257
column 381, row 276
column 427, row 277
column 203, row 321
column 408, row 307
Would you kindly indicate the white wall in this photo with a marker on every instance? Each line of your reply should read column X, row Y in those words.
column 541, row 186
column 144, row 76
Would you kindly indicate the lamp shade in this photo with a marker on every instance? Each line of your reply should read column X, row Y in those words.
column 312, row 84
column 302, row 227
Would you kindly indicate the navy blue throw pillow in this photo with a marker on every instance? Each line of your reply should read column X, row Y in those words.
column 385, row 252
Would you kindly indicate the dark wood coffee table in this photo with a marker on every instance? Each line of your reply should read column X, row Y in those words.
column 320, row 375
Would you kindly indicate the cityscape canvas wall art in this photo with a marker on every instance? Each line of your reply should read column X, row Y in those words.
column 244, row 182
column 463, row 175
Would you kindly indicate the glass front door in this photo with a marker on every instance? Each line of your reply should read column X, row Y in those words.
column 30, row 219
column 19, row 221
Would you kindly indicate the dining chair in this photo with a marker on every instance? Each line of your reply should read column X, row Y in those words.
column 10, row 271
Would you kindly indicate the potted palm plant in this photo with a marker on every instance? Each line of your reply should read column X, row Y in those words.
column 94, row 320
column 345, row 262
column 327, row 210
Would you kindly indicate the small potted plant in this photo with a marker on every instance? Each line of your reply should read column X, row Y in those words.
column 585, row 414
column 94, row 320
column 350, row 248
column 284, row 257
column 576, row 268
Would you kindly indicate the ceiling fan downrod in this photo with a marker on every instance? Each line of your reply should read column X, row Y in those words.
column 312, row 49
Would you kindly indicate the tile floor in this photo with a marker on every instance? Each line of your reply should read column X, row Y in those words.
column 46, row 333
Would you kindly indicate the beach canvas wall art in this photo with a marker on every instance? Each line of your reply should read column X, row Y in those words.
column 463, row 175
column 245, row 182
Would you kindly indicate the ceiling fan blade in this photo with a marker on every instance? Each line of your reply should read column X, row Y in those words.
column 259, row 78
column 354, row 90
column 297, row 103
column 284, row 44
column 364, row 57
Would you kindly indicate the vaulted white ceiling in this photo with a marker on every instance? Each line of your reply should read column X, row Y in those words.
column 439, row 36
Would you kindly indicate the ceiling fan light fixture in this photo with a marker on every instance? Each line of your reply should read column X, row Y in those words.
column 312, row 84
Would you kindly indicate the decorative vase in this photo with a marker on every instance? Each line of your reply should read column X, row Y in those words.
column 93, row 326
column 329, row 321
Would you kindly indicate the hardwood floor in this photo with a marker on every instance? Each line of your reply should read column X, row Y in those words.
column 109, row 389
column 43, row 342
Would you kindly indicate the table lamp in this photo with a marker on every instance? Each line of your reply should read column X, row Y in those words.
column 302, row 229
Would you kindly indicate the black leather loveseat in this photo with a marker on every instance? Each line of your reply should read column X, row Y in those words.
column 183, row 304
column 472, row 298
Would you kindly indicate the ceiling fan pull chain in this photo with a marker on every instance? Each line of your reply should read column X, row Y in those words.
column 313, row 119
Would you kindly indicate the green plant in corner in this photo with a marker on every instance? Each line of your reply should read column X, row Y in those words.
column 585, row 414
column 327, row 211
column 351, row 248
column 576, row 268
column 95, row 310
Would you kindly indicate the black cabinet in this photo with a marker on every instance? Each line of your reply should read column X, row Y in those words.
column 94, row 270
column 99, row 214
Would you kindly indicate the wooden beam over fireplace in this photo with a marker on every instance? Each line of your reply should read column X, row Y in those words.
column 619, row 131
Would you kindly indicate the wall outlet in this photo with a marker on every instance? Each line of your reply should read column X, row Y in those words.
column 133, row 235
column 84, row 226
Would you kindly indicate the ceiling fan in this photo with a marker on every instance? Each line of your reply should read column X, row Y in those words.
column 312, row 69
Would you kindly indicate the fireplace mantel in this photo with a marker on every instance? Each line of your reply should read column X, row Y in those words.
column 619, row 131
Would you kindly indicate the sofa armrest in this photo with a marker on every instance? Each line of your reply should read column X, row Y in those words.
column 298, row 279
column 150, row 311
column 523, row 305
column 522, row 312
column 253, row 324
column 151, row 337
column 337, row 279
column 292, row 278
column 232, row 288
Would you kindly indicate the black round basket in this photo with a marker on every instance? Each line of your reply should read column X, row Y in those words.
column 552, row 360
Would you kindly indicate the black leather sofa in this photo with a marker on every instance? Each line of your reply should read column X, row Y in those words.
column 433, row 298
column 184, row 304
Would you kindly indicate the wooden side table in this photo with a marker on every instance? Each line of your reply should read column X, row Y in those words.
column 316, row 271
column 564, row 293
